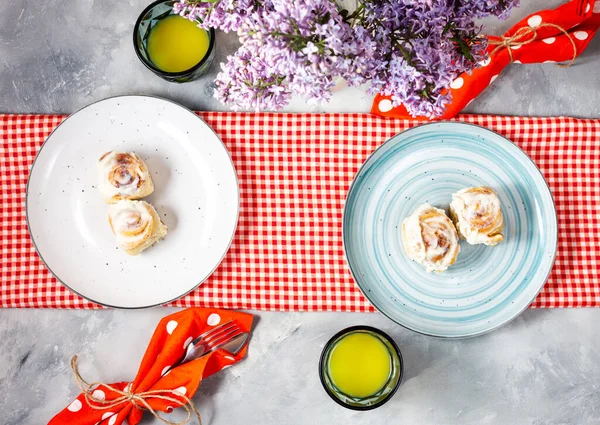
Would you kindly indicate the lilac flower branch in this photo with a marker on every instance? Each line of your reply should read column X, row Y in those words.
column 411, row 51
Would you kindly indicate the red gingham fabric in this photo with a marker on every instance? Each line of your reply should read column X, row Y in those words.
column 294, row 172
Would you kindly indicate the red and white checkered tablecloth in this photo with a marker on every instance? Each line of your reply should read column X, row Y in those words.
column 294, row 171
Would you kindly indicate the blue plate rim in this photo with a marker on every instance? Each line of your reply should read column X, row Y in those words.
column 345, row 212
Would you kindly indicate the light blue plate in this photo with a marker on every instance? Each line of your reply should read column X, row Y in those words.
column 487, row 286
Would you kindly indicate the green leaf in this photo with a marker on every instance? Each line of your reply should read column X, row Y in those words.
column 463, row 47
column 325, row 18
column 447, row 27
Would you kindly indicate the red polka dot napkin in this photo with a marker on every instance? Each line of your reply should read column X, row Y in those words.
column 549, row 36
column 294, row 172
column 156, row 374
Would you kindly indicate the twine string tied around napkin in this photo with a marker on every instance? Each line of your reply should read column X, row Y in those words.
column 139, row 400
column 526, row 35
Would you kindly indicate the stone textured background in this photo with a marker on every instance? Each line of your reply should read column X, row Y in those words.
column 58, row 56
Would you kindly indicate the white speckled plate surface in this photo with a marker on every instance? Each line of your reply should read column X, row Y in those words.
column 487, row 286
column 196, row 195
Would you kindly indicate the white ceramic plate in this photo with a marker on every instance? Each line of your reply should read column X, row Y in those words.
column 196, row 195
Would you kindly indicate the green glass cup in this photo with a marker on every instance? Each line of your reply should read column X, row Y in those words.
column 374, row 400
column 145, row 23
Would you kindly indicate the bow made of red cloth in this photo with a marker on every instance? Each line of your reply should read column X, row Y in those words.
column 549, row 36
column 160, row 384
column 140, row 400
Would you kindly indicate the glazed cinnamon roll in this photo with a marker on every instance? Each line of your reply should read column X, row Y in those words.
column 123, row 176
column 136, row 225
column 430, row 238
column 478, row 216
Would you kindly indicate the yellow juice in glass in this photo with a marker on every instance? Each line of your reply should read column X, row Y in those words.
column 176, row 44
column 360, row 365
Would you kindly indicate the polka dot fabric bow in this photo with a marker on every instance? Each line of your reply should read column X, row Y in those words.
column 549, row 36
column 155, row 375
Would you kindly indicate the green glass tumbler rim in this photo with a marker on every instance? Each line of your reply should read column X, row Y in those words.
column 338, row 336
column 150, row 65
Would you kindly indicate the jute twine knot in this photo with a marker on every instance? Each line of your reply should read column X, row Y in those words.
column 139, row 400
column 526, row 35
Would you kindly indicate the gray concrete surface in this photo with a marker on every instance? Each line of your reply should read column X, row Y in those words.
column 541, row 368
column 57, row 56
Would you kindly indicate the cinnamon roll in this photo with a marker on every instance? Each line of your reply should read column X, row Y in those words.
column 478, row 216
column 123, row 176
column 430, row 238
column 136, row 225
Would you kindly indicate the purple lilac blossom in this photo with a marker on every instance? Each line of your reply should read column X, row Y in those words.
column 410, row 50
column 246, row 82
